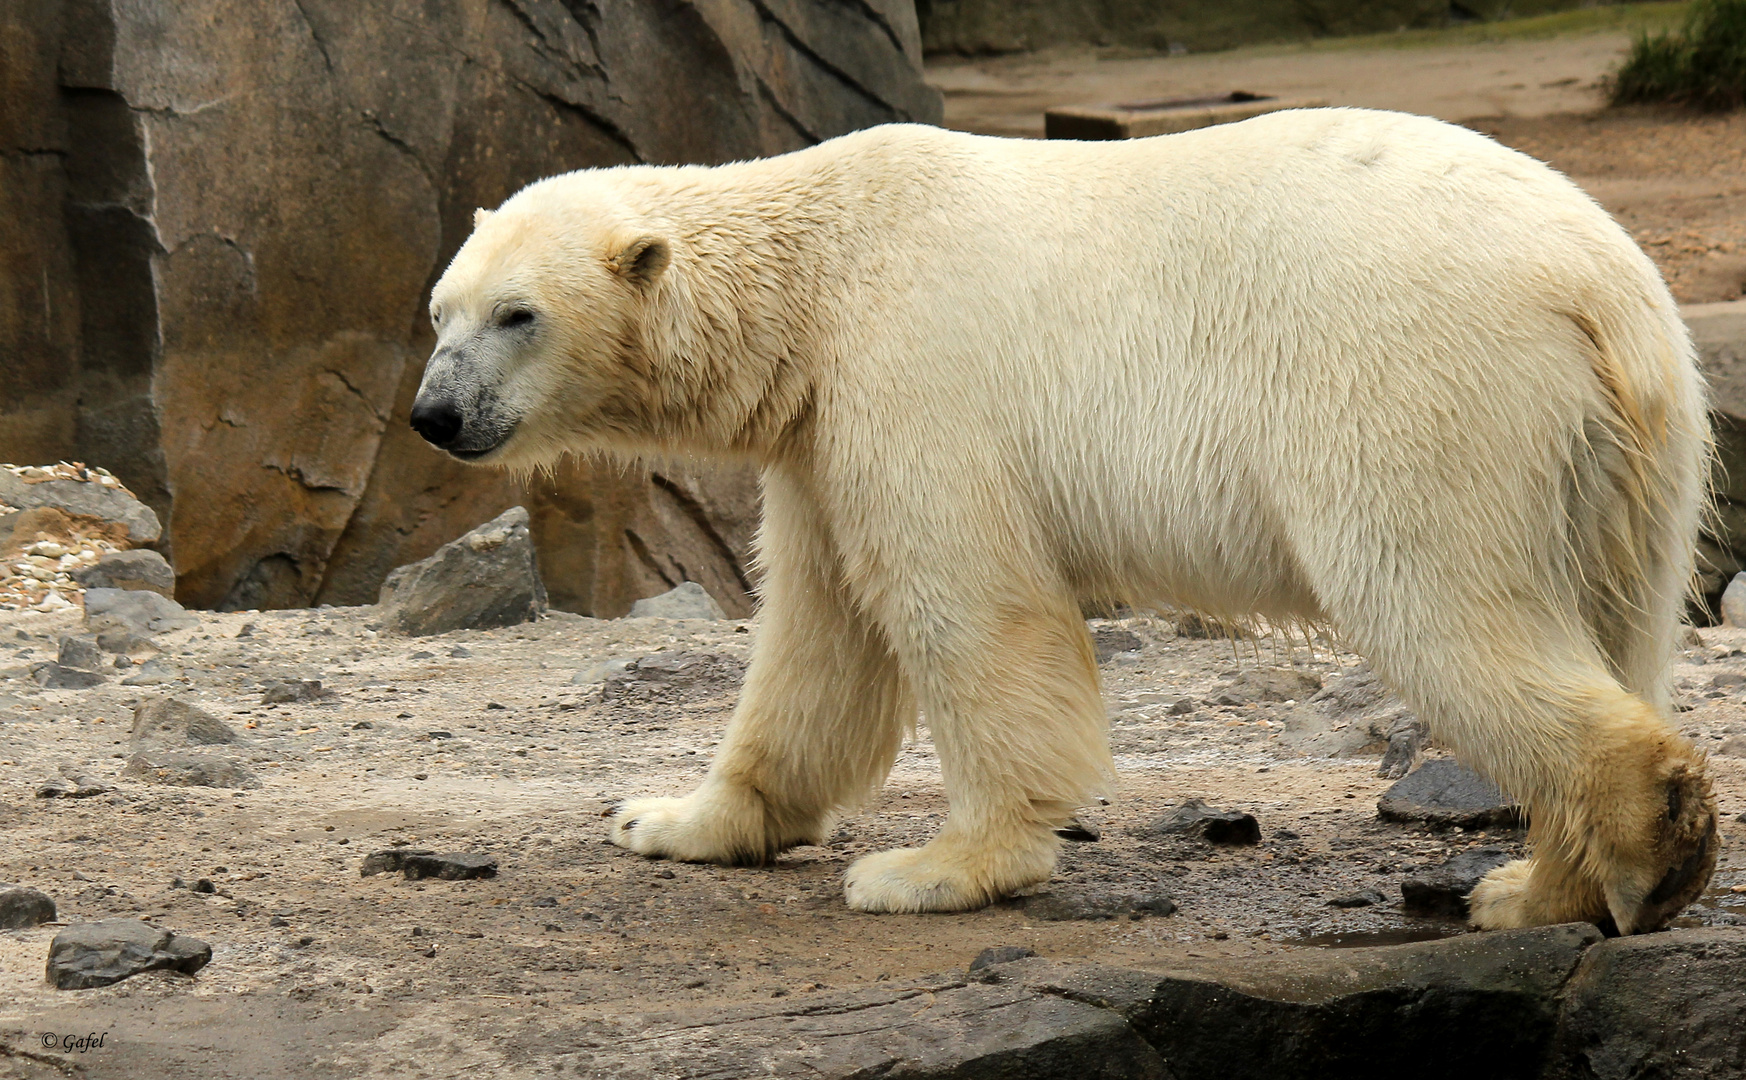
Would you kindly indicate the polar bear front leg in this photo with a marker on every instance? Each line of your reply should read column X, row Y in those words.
column 817, row 726
column 1011, row 700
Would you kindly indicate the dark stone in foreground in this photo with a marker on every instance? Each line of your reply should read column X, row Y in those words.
column 1068, row 903
column 946, row 1028
column 99, row 953
column 1196, row 818
column 1444, row 794
column 1364, row 898
column 449, row 866
column 1669, row 1006
column 1478, row 1005
column 21, row 906
column 1444, row 890
column 487, row 578
column 391, row 861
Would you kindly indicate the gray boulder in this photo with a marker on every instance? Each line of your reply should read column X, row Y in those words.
column 107, row 951
column 485, row 579
column 120, row 617
column 158, row 671
column 688, row 600
column 138, row 569
column 22, row 907
column 179, row 768
column 87, row 498
column 1444, row 794
column 171, row 722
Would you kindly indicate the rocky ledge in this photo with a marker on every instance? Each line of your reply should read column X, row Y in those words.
column 1554, row 1003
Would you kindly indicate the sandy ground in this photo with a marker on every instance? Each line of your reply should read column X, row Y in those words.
column 1676, row 180
column 321, row 961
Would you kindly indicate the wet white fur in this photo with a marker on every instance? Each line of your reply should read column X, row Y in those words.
column 1355, row 367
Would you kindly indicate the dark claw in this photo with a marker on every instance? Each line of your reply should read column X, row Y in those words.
column 631, row 824
column 611, row 809
column 1078, row 832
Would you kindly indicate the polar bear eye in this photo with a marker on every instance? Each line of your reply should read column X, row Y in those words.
column 515, row 317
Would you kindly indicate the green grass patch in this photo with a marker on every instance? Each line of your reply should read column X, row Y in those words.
column 1701, row 64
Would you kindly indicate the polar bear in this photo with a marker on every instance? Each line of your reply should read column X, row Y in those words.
column 1354, row 367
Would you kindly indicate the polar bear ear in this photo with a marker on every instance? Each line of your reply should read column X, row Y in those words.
column 479, row 216
column 641, row 260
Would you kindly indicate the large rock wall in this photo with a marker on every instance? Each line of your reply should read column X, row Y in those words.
column 975, row 27
column 220, row 219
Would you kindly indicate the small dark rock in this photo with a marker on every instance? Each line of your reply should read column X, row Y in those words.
column 204, row 885
column 1000, row 954
column 1444, row 794
column 450, row 866
column 247, row 631
column 362, row 725
column 1364, row 898
column 459, row 652
column 1110, row 640
column 1066, row 905
column 1196, row 818
column 441, row 734
column 495, row 705
column 1443, row 891
column 79, row 652
column 278, row 920
column 288, row 691
column 99, row 953
column 52, row 676
column 390, row 861
column 21, row 906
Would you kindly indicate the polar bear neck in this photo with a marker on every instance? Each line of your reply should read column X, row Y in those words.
column 741, row 324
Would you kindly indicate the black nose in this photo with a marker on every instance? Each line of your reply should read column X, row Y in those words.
column 438, row 421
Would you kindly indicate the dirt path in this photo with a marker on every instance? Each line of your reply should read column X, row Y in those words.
column 383, row 977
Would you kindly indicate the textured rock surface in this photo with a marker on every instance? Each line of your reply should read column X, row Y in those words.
column 121, row 612
column 1669, row 1006
column 139, row 569
column 136, row 523
column 107, row 951
column 1719, row 331
column 188, row 769
column 21, row 906
column 220, row 218
column 1443, row 793
column 1215, row 826
column 167, row 722
column 487, row 578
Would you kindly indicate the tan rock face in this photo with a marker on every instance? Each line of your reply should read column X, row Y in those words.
column 233, row 212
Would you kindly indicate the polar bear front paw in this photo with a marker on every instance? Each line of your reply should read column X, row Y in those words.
column 713, row 824
column 1500, row 900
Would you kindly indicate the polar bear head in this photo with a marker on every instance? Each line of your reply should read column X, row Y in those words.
column 542, row 325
